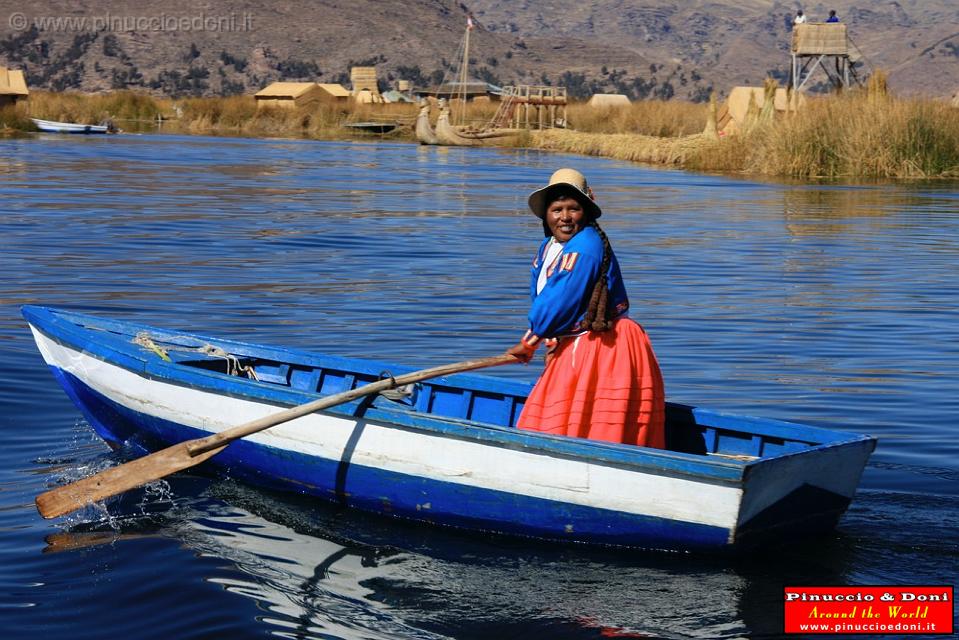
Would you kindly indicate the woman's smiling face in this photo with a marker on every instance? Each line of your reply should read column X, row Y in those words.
column 565, row 218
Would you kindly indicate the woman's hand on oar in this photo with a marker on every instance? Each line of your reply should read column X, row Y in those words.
column 116, row 480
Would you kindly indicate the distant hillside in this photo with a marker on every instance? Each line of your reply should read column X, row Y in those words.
column 733, row 42
column 649, row 49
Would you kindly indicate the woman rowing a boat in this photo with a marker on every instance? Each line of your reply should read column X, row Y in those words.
column 602, row 380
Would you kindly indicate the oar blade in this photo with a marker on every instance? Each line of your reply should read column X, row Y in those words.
column 116, row 480
column 124, row 477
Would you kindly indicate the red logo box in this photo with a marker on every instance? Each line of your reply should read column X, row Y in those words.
column 892, row 609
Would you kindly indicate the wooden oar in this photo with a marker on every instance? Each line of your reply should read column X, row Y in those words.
column 116, row 480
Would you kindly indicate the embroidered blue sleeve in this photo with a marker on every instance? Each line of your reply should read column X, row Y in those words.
column 561, row 303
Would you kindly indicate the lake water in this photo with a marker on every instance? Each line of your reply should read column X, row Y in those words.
column 834, row 305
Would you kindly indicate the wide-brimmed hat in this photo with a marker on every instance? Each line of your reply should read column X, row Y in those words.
column 540, row 199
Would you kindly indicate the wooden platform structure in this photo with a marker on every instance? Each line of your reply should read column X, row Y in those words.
column 532, row 107
column 822, row 45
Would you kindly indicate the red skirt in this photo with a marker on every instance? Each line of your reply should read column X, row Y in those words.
column 603, row 386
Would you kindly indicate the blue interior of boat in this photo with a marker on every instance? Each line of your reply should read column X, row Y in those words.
column 286, row 376
column 686, row 430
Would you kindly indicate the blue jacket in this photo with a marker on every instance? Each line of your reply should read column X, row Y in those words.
column 559, row 309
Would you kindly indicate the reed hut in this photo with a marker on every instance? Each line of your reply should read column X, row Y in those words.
column 334, row 92
column 366, row 90
column 290, row 94
column 734, row 113
column 13, row 86
column 607, row 100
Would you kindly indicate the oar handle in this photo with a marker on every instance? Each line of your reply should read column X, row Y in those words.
column 202, row 445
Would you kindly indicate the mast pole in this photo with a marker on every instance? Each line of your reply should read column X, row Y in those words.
column 463, row 71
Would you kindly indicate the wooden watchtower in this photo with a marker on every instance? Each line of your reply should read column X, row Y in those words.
column 821, row 45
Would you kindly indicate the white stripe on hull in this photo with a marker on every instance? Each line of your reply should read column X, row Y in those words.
column 416, row 454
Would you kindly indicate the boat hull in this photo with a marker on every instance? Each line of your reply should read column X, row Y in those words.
column 49, row 126
column 372, row 127
column 449, row 135
column 424, row 130
column 393, row 461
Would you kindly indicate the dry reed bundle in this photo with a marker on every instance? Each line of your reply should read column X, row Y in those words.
column 93, row 108
column 877, row 86
column 14, row 118
column 667, row 119
column 239, row 115
column 854, row 135
column 622, row 146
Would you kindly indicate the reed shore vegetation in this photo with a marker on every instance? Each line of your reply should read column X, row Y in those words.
column 95, row 108
column 862, row 134
column 14, row 120
column 859, row 135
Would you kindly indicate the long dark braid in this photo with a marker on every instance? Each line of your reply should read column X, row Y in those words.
column 597, row 314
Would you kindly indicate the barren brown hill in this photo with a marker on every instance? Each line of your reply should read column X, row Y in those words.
column 648, row 49
column 742, row 41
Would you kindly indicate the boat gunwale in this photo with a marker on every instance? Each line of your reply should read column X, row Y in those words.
column 124, row 353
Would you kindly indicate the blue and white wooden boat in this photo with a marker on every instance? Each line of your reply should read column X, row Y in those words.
column 448, row 452
column 50, row 126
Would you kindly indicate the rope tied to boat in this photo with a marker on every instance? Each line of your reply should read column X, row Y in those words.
column 397, row 394
column 233, row 365
column 143, row 339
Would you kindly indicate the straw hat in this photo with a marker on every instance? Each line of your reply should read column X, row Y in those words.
column 539, row 199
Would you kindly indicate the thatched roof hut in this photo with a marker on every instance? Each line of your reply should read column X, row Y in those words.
column 13, row 86
column 608, row 100
column 299, row 94
column 335, row 92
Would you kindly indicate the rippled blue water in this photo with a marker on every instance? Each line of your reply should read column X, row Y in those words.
column 828, row 304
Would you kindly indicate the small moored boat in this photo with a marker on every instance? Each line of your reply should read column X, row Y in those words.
column 446, row 451
column 372, row 127
column 462, row 136
column 423, row 129
column 50, row 126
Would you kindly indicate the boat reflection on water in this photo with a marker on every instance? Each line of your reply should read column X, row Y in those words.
column 330, row 573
